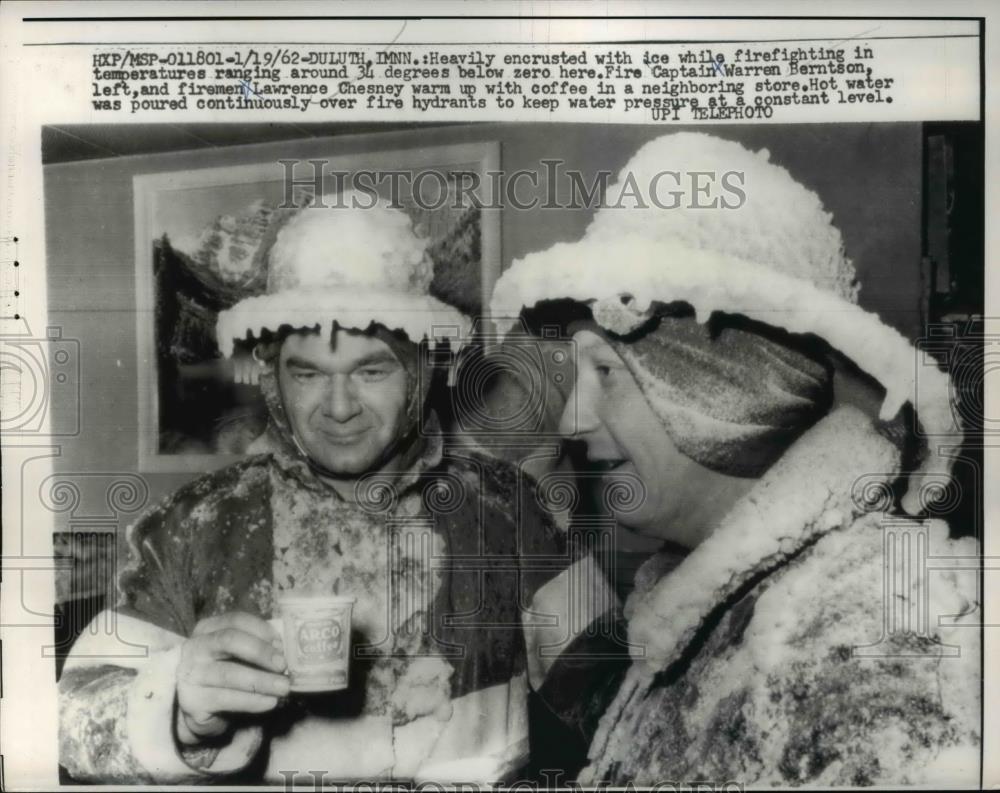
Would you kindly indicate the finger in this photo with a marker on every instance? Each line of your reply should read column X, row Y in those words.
column 234, row 643
column 241, row 620
column 209, row 625
column 236, row 676
column 192, row 729
column 228, row 700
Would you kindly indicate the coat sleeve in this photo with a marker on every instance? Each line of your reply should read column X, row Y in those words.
column 577, row 653
column 117, row 692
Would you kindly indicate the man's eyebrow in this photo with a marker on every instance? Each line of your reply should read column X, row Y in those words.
column 381, row 357
column 372, row 359
column 299, row 363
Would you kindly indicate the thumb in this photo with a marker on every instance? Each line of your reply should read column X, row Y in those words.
column 193, row 729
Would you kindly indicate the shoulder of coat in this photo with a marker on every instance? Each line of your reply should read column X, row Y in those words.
column 844, row 597
column 246, row 478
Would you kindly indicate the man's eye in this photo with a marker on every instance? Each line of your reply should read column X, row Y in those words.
column 372, row 374
column 603, row 370
column 304, row 376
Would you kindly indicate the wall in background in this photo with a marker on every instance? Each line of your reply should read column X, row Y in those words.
column 868, row 175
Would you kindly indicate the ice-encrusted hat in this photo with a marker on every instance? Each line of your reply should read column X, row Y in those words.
column 776, row 258
column 351, row 263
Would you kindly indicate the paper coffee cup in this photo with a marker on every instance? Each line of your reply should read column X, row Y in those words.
column 481, row 772
column 316, row 633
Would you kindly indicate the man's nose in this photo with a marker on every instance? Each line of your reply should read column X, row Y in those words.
column 341, row 402
column 579, row 416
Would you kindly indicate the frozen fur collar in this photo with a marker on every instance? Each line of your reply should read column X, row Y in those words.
column 813, row 489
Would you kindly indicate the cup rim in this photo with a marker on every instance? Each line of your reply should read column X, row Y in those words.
column 332, row 599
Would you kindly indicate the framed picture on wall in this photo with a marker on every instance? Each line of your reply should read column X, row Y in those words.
column 201, row 241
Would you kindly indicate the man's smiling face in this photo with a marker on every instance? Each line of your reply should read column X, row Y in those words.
column 610, row 414
column 346, row 402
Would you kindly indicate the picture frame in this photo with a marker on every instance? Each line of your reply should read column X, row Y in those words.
column 197, row 251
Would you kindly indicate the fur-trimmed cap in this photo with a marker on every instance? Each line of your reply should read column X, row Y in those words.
column 355, row 264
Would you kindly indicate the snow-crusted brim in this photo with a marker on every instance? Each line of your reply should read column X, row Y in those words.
column 418, row 316
column 642, row 271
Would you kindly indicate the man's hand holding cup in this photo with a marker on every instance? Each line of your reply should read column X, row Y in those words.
column 231, row 664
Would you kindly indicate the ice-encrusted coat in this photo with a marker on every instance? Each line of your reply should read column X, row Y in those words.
column 450, row 565
column 790, row 648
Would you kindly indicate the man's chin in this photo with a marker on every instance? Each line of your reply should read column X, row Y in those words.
column 348, row 467
column 343, row 461
column 351, row 461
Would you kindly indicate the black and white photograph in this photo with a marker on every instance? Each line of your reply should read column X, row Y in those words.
column 467, row 452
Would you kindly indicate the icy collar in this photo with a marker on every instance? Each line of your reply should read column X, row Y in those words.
column 822, row 483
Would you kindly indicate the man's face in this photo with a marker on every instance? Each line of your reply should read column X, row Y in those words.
column 346, row 402
column 624, row 437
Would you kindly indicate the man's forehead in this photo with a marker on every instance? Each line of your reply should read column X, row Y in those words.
column 342, row 348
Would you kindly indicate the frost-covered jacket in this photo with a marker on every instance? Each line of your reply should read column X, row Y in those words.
column 462, row 584
column 807, row 641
